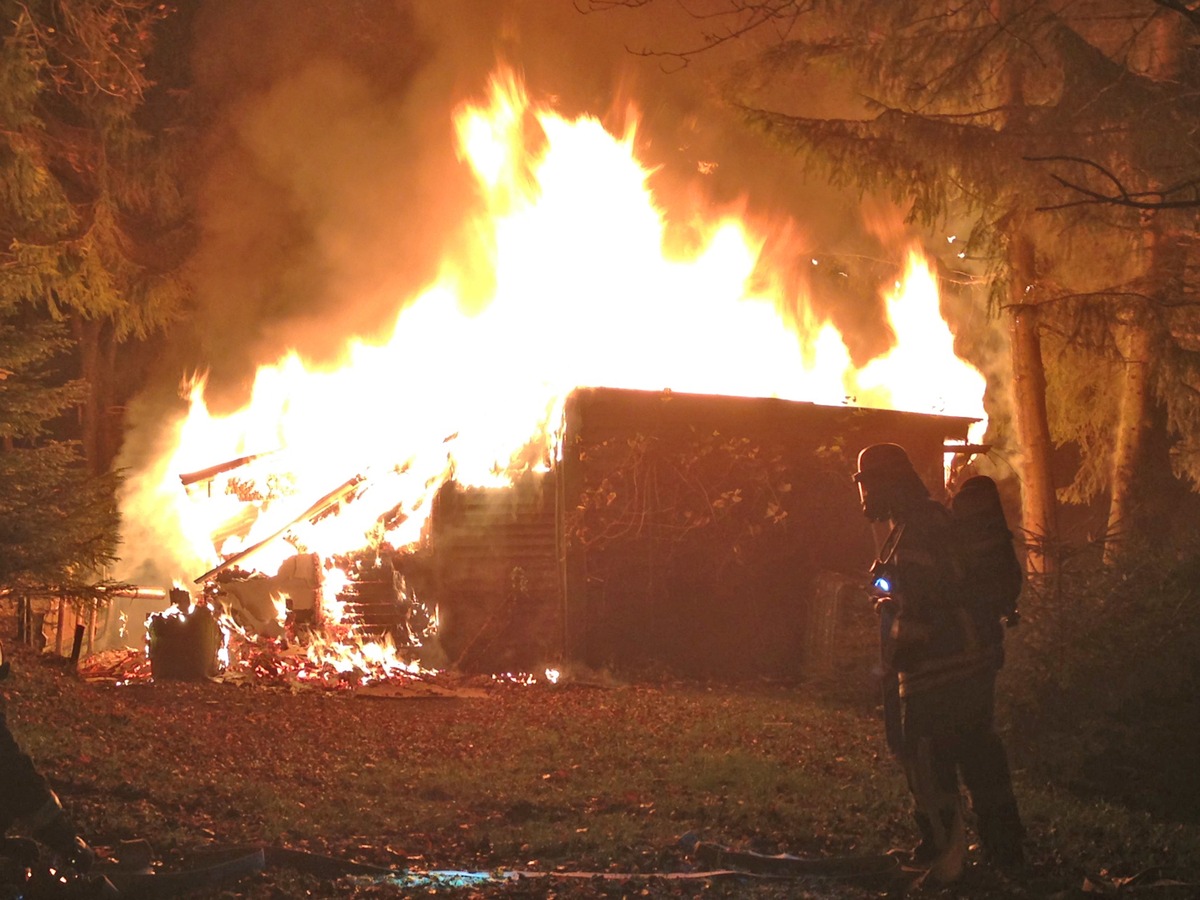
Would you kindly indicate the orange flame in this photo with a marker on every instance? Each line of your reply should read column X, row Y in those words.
column 570, row 283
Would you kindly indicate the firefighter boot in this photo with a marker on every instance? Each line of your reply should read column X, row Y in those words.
column 951, row 843
column 1001, row 835
column 943, row 846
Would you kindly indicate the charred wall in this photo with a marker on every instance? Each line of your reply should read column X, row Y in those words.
column 493, row 572
column 697, row 528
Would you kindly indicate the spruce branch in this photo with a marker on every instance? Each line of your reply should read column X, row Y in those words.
column 739, row 19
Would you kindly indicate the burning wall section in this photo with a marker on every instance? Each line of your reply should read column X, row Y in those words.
column 492, row 571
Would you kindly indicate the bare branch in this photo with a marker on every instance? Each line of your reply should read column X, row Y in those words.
column 1160, row 198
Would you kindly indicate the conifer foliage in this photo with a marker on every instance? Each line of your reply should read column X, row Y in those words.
column 92, row 233
column 58, row 525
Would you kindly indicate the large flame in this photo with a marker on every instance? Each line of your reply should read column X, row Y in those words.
column 570, row 282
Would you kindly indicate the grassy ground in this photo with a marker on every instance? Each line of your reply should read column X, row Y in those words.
column 588, row 775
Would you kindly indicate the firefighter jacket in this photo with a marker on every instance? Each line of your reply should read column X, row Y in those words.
column 936, row 637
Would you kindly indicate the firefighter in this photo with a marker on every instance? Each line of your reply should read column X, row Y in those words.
column 944, row 665
column 27, row 800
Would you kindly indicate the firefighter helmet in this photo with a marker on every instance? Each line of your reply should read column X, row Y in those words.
column 886, row 481
column 883, row 460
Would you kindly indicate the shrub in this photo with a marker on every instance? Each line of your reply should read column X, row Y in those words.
column 1103, row 679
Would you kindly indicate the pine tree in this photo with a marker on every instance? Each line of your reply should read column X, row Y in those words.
column 58, row 524
column 92, row 232
column 93, row 227
column 1142, row 331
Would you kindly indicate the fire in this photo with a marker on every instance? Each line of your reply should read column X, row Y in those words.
column 921, row 373
column 575, row 277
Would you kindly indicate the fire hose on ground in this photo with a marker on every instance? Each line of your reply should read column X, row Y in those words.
column 134, row 877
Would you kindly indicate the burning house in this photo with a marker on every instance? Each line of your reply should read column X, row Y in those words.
column 702, row 535
column 465, row 493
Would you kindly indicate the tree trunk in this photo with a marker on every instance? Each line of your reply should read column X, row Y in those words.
column 97, row 356
column 1136, row 343
column 1137, row 332
column 1038, row 504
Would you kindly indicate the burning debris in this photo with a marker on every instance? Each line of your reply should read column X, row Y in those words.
column 262, row 604
column 205, row 476
column 284, row 628
column 329, row 502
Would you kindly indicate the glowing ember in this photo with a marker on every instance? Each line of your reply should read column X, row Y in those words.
column 575, row 279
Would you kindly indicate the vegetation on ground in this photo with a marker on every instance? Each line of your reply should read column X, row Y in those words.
column 600, row 775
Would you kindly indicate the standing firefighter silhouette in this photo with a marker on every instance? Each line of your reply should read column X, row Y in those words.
column 942, row 641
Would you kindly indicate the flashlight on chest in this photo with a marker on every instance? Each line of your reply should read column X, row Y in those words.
column 883, row 578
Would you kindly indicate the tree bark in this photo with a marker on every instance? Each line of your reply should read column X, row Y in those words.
column 1136, row 333
column 1038, row 502
column 97, row 357
column 1136, row 343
